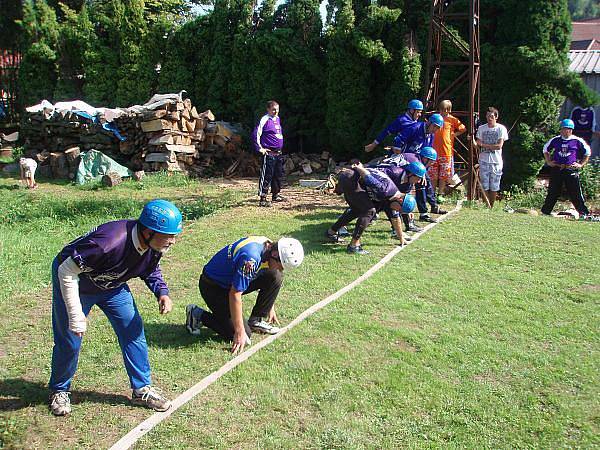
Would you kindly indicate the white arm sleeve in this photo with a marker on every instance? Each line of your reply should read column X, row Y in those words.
column 68, row 278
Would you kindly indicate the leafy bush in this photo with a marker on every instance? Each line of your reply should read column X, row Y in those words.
column 590, row 179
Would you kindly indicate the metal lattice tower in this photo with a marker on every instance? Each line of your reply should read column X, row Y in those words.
column 448, row 27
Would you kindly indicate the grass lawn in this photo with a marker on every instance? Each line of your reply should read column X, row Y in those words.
column 484, row 333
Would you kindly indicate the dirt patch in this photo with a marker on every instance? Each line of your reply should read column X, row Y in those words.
column 405, row 346
column 593, row 288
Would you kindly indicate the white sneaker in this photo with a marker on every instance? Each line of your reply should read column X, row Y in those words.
column 262, row 326
column 193, row 323
column 60, row 403
column 150, row 397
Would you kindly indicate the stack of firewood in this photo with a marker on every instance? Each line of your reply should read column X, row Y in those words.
column 173, row 136
column 165, row 134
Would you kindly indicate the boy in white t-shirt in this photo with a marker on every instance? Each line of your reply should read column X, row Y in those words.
column 28, row 167
column 490, row 139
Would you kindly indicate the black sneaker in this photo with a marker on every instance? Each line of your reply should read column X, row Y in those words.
column 264, row 202
column 414, row 227
column 426, row 218
column 438, row 210
column 279, row 198
column 358, row 250
column 193, row 319
column 335, row 238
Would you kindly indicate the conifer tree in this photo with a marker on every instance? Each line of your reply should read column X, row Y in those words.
column 38, row 71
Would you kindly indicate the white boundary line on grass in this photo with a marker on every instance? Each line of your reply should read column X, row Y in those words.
column 135, row 434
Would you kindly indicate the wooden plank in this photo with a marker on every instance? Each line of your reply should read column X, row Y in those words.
column 150, row 115
column 174, row 115
column 207, row 115
column 191, row 149
column 160, row 140
column 190, row 125
column 160, row 157
column 156, row 125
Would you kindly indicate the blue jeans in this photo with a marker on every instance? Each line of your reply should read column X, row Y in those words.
column 424, row 195
column 119, row 307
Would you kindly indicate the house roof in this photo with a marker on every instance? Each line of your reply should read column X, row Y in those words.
column 584, row 61
column 585, row 30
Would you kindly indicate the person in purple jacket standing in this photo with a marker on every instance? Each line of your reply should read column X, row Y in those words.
column 94, row 270
column 566, row 154
column 268, row 141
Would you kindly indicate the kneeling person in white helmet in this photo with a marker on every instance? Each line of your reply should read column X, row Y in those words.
column 250, row 264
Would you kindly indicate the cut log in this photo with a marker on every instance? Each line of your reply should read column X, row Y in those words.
column 190, row 125
column 72, row 155
column 207, row 115
column 160, row 157
column 191, row 149
column 111, row 179
column 156, row 125
column 161, row 139
column 201, row 123
column 174, row 116
column 150, row 115
column 137, row 176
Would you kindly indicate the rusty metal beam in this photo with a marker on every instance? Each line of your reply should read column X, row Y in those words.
column 467, row 81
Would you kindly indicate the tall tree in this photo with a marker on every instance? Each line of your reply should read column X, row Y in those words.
column 530, row 47
column 38, row 71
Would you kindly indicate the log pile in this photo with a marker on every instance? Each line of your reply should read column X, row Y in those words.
column 165, row 134
column 173, row 137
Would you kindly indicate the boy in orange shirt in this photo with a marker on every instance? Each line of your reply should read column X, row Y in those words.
column 442, row 169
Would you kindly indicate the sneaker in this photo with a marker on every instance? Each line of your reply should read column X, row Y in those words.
column 438, row 210
column 413, row 227
column 335, row 237
column 426, row 218
column 358, row 250
column 193, row 316
column 150, row 397
column 264, row 202
column 279, row 198
column 343, row 232
column 262, row 326
column 60, row 403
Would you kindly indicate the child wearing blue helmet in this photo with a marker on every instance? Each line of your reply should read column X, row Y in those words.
column 94, row 270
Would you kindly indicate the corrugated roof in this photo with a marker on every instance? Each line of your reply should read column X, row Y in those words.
column 584, row 61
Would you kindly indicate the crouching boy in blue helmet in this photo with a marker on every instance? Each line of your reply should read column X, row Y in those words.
column 367, row 190
column 249, row 264
column 94, row 270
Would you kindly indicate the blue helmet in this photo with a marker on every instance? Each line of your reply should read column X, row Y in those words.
column 429, row 153
column 416, row 168
column 567, row 123
column 437, row 119
column 161, row 216
column 408, row 204
column 415, row 104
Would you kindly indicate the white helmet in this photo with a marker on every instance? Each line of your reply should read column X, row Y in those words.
column 291, row 252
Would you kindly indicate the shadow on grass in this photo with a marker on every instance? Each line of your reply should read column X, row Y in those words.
column 169, row 335
column 12, row 187
column 18, row 393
